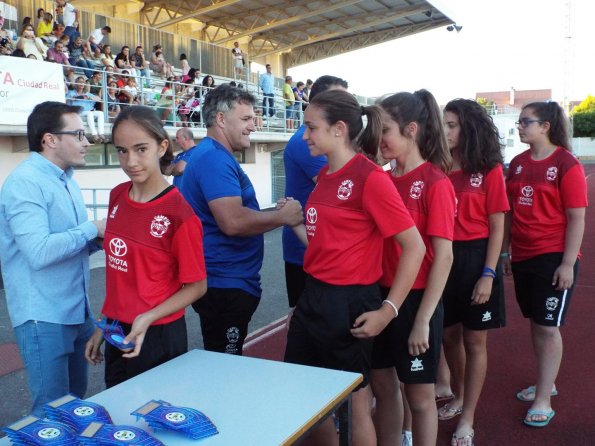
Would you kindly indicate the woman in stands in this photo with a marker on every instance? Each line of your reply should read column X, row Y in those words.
column 473, row 297
column 547, row 191
column 155, row 266
column 107, row 58
column 30, row 44
column 409, row 348
column 353, row 208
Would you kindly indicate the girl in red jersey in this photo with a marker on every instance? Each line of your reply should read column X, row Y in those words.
column 547, row 191
column 352, row 209
column 409, row 348
column 154, row 259
column 473, row 297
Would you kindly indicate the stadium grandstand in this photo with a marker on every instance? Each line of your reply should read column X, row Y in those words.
column 267, row 32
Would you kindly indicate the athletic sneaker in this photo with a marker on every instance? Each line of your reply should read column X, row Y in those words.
column 406, row 439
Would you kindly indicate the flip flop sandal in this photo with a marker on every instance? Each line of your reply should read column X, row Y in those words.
column 468, row 439
column 541, row 423
column 528, row 395
column 447, row 413
column 440, row 398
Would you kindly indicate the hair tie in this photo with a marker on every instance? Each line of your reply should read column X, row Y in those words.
column 363, row 110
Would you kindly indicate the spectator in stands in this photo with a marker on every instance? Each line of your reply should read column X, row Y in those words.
column 45, row 27
column 57, row 33
column 195, row 74
column 79, row 56
column 59, row 16
column 69, row 78
column 65, row 42
column 307, row 89
column 165, row 104
column 185, row 141
column 123, row 61
column 238, row 59
column 158, row 63
column 86, row 102
column 185, row 66
column 298, row 93
column 39, row 17
column 26, row 21
column 6, row 48
column 267, row 85
column 289, row 98
column 130, row 91
column 56, row 54
column 209, row 83
column 258, row 119
column 113, row 104
column 45, row 243
column 142, row 66
column 95, row 83
column 70, row 18
column 96, row 37
column 224, row 199
column 107, row 57
column 30, row 44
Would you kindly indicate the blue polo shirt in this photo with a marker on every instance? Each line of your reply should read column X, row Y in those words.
column 45, row 242
column 232, row 262
column 182, row 156
column 300, row 168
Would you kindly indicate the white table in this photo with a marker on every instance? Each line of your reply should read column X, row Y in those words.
column 251, row 401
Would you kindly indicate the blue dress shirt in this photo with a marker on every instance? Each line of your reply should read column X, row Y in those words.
column 267, row 83
column 45, row 242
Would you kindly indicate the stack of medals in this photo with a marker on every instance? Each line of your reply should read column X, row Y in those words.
column 75, row 413
column 99, row 434
column 33, row 431
column 189, row 422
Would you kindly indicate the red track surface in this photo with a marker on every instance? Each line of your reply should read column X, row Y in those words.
column 512, row 367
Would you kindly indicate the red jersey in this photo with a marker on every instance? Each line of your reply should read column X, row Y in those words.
column 478, row 196
column 151, row 249
column 430, row 199
column 348, row 215
column 539, row 193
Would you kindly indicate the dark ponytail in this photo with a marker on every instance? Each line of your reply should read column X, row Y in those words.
column 339, row 105
column 421, row 107
column 559, row 133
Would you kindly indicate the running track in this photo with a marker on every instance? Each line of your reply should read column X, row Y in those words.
column 511, row 366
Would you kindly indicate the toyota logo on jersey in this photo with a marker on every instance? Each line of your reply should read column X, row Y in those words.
column 118, row 247
column 527, row 191
column 311, row 216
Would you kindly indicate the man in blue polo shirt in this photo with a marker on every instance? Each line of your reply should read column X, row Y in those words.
column 45, row 242
column 184, row 140
column 301, row 173
column 224, row 199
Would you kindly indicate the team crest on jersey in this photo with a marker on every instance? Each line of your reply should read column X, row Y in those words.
column 551, row 303
column 416, row 188
column 159, row 226
column 345, row 190
column 114, row 210
column 551, row 174
column 476, row 179
column 519, row 169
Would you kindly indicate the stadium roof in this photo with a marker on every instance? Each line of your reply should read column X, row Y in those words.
column 302, row 30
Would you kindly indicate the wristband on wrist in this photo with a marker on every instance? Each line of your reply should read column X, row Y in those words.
column 386, row 301
column 504, row 254
column 488, row 272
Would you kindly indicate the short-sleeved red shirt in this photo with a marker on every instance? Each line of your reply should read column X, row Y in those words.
column 348, row 215
column 430, row 199
column 151, row 250
column 478, row 196
column 539, row 193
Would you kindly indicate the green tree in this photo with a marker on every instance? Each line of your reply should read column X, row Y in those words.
column 586, row 106
column 583, row 118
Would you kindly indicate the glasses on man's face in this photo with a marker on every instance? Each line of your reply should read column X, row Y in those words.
column 526, row 122
column 79, row 133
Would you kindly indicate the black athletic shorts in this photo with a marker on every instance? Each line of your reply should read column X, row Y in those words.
column 319, row 333
column 161, row 343
column 467, row 267
column 391, row 346
column 224, row 317
column 535, row 294
column 295, row 282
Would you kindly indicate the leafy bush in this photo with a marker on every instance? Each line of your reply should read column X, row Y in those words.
column 584, row 124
